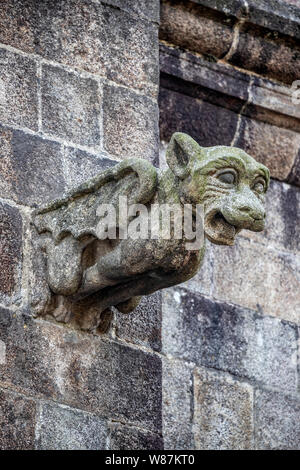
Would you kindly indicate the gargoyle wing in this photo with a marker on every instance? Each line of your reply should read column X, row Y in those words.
column 76, row 213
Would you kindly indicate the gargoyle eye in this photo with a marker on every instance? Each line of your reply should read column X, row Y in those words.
column 228, row 177
column 259, row 186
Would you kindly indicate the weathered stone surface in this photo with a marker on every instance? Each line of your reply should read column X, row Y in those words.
column 143, row 325
column 70, row 106
column 202, row 282
column 283, row 212
column 226, row 337
column 62, row 428
column 271, row 285
column 17, row 421
column 130, row 438
column 2, row 352
column 18, row 90
column 86, row 35
column 277, row 15
column 223, row 85
column 39, row 293
column 294, row 176
column 181, row 330
column 293, row 2
column 148, row 9
column 10, row 251
column 81, row 371
column 277, row 421
column 200, row 77
column 129, row 124
column 272, row 103
column 223, row 411
column 81, row 166
column 177, row 405
column 259, row 348
column 234, row 7
column 196, row 28
column 179, row 112
column 274, row 146
column 178, row 436
column 267, row 53
column 30, row 168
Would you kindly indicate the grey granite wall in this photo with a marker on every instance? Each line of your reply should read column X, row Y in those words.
column 211, row 364
column 230, row 336
column 78, row 91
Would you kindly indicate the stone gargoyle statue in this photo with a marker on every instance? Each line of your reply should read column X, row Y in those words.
column 87, row 274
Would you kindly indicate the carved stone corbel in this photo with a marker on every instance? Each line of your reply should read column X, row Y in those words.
column 87, row 274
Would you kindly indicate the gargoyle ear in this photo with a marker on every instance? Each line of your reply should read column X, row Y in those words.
column 179, row 152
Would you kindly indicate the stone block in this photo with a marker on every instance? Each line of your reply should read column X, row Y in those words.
column 143, row 325
column 81, row 166
column 223, row 411
column 11, row 228
column 129, row 438
column 234, row 7
column 268, row 281
column 202, row 78
column 91, row 36
column 293, row 2
column 232, row 339
column 70, row 106
column 269, row 95
column 268, row 53
column 196, row 28
column 273, row 146
column 82, row 371
column 17, row 421
column 62, row 428
column 261, row 349
column 208, row 124
column 277, row 15
column 178, row 436
column 30, row 168
column 181, row 330
column 202, row 283
column 277, row 421
column 129, row 124
column 177, row 405
column 294, row 176
column 18, row 90
column 148, row 9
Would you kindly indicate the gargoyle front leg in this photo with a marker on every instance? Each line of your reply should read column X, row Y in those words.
column 64, row 265
column 127, row 261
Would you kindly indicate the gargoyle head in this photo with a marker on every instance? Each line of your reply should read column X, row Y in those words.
column 229, row 183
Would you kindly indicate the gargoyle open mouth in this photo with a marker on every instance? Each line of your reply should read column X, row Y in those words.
column 218, row 230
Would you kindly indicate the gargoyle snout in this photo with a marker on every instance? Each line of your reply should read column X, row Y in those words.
column 246, row 211
column 253, row 213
